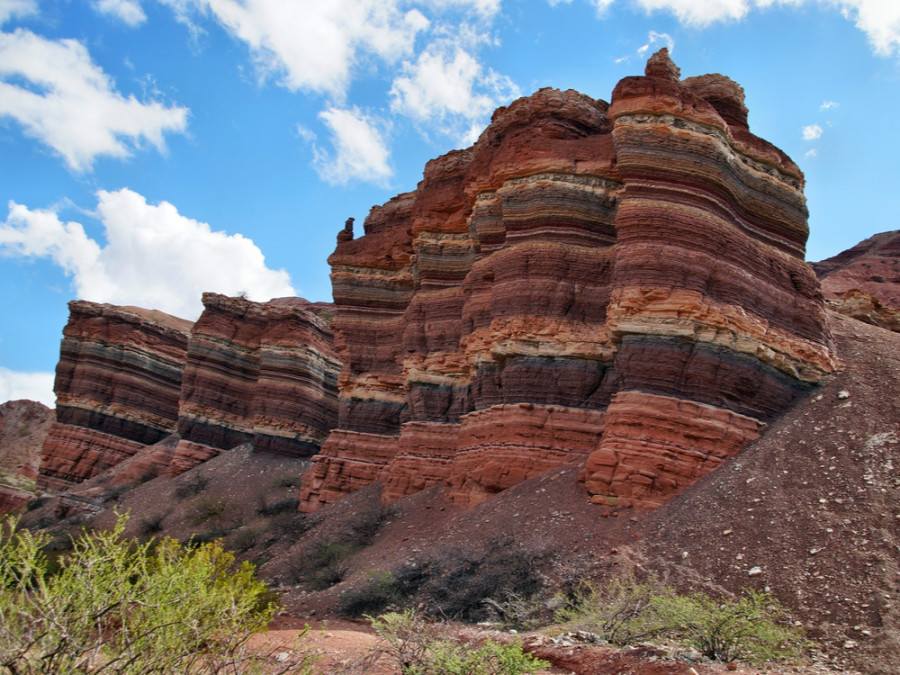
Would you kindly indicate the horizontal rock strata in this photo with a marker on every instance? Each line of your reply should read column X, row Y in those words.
column 618, row 283
column 264, row 373
column 118, row 384
column 260, row 373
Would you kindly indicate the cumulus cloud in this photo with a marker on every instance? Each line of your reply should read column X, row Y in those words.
column 811, row 132
column 360, row 148
column 16, row 385
column 127, row 11
column 828, row 105
column 878, row 19
column 447, row 87
column 153, row 256
column 72, row 106
column 11, row 8
column 314, row 46
column 809, row 154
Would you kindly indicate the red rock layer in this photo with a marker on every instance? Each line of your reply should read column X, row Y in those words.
column 117, row 389
column 579, row 260
column 264, row 373
column 260, row 373
column 864, row 281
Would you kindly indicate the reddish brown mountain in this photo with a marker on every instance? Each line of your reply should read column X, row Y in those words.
column 619, row 284
column 864, row 281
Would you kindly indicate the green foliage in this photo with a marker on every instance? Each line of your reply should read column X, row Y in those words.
column 751, row 628
column 422, row 648
column 620, row 612
column 127, row 608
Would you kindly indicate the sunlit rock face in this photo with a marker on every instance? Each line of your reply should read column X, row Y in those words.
column 118, row 383
column 617, row 284
column 260, row 373
column 128, row 378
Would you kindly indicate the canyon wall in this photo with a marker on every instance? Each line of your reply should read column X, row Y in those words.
column 619, row 284
column 129, row 378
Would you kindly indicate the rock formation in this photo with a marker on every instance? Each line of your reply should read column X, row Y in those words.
column 864, row 281
column 257, row 373
column 23, row 427
column 621, row 284
column 245, row 371
column 117, row 387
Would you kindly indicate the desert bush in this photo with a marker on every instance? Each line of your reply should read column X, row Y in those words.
column 152, row 524
column 461, row 581
column 244, row 539
column 422, row 648
column 288, row 481
column 620, row 612
column 206, row 509
column 753, row 627
column 378, row 592
column 266, row 510
column 192, row 486
column 127, row 608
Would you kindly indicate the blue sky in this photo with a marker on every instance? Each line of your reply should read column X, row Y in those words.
column 154, row 149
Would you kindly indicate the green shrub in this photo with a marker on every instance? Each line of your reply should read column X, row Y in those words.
column 422, row 648
column 127, row 608
column 751, row 628
column 620, row 612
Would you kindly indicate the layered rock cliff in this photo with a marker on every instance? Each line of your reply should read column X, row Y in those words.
column 118, row 382
column 619, row 284
column 260, row 373
column 245, row 371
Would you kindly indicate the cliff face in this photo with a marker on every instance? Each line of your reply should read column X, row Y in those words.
column 117, row 387
column 129, row 378
column 257, row 373
column 621, row 284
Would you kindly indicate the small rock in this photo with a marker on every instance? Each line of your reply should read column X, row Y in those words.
column 850, row 644
column 727, row 532
column 843, row 393
column 754, row 571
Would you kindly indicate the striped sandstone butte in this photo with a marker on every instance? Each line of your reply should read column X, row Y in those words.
column 622, row 285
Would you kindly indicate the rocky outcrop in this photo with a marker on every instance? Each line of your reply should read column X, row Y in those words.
column 23, row 427
column 118, row 384
column 864, row 282
column 621, row 284
column 260, row 373
column 129, row 378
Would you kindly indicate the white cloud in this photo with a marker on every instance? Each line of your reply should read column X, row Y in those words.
column 811, row 132
column 878, row 19
column 809, row 154
column 601, row 5
column 153, row 257
column 128, row 11
column 16, row 385
column 11, row 8
column 654, row 40
column 447, row 87
column 72, row 106
column 360, row 148
column 828, row 105
column 315, row 45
